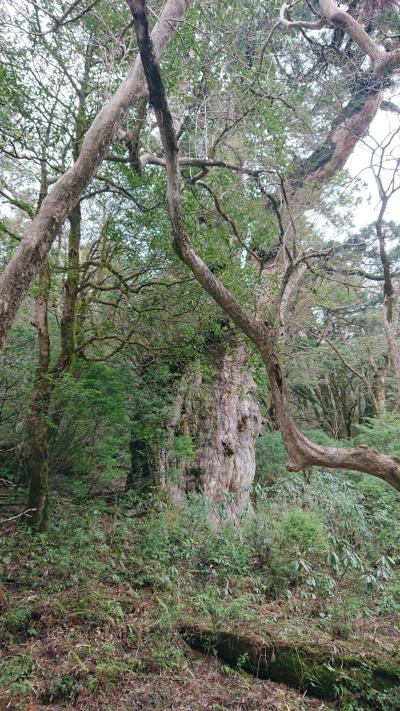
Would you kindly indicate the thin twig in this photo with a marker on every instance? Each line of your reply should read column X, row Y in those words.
column 12, row 518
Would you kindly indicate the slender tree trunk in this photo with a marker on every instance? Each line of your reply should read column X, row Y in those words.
column 221, row 420
column 380, row 389
column 380, row 373
column 68, row 320
column 37, row 422
column 39, row 415
column 71, row 286
column 390, row 303
column 393, row 349
column 133, row 137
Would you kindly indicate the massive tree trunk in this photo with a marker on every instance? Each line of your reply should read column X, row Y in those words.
column 212, row 434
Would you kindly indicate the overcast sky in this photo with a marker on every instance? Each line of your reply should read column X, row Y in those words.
column 385, row 124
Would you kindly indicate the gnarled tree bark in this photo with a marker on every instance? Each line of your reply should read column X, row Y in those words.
column 222, row 419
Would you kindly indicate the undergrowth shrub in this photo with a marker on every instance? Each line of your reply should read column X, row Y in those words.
column 91, row 438
column 302, row 531
column 16, row 673
column 124, row 578
column 312, row 530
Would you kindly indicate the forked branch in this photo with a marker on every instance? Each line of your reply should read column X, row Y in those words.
column 383, row 62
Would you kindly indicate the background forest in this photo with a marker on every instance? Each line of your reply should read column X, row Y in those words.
column 200, row 367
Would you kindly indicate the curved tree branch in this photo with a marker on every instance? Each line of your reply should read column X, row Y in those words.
column 298, row 24
column 383, row 62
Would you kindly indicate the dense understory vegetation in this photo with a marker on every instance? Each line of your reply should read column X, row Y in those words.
column 97, row 603
column 199, row 355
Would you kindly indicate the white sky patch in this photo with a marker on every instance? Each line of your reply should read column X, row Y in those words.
column 365, row 159
column 384, row 126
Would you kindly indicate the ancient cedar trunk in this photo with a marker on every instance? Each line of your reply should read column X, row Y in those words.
column 218, row 417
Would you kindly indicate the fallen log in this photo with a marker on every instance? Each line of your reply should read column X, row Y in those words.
column 328, row 671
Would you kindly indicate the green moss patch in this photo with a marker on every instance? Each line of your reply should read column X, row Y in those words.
column 327, row 672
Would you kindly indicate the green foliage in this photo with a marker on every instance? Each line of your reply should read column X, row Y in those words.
column 118, row 577
column 321, row 528
column 270, row 457
column 184, row 448
column 336, row 500
column 149, row 401
column 16, row 673
column 92, row 434
column 118, row 584
column 211, row 604
column 17, row 620
column 381, row 433
column 64, row 687
column 303, row 531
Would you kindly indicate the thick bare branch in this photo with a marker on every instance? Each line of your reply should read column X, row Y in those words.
column 151, row 159
column 298, row 24
column 302, row 452
column 339, row 17
column 383, row 62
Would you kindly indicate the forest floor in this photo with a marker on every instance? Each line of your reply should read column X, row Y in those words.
column 92, row 611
